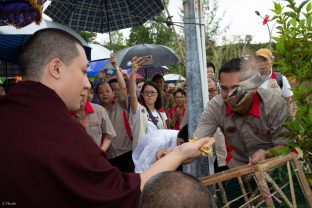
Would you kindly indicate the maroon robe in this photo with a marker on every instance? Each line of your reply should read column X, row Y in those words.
column 48, row 160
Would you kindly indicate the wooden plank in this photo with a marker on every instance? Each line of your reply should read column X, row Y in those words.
column 245, row 170
column 291, row 186
column 304, row 182
column 225, row 201
column 264, row 189
column 278, row 189
column 243, row 190
column 229, row 174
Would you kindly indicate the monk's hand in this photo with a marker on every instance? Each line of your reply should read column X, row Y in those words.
column 195, row 148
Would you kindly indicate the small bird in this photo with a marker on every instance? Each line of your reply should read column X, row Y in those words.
column 251, row 80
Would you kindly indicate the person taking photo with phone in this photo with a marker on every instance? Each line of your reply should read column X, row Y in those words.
column 147, row 116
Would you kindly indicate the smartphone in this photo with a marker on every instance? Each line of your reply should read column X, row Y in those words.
column 148, row 60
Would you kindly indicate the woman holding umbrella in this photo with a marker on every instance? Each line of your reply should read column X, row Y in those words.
column 148, row 115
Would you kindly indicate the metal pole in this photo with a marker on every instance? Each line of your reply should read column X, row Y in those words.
column 196, row 76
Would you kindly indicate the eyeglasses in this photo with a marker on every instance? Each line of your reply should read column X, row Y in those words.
column 150, row 93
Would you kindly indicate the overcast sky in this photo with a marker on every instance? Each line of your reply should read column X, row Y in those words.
column 240, row 16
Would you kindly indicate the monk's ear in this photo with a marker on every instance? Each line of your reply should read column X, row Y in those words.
column 55, row 67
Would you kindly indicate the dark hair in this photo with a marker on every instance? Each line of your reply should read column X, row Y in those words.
column 141, row 80
column 210, row 64
column 215, row 83
column 43, row 46
column 158, row 102
column 183, row 133
column 180, row 90
column 174, row 189
column 231, row 66
column 112, row 81
column 102, row 83
column 157, row 77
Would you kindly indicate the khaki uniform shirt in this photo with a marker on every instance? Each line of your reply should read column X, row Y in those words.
column 220, row 148
column 97, row 122
column 121, row 144
column 247, row 133
column 219, row 145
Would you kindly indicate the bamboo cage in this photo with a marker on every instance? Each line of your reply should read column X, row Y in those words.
column 262, row 185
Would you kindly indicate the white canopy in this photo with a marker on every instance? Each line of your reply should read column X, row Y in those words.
column 173, row 77
column 99, row 52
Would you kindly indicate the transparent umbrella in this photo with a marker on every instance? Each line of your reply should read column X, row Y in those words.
column 161, row 55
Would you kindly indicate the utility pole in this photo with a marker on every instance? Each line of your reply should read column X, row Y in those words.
column 196, row 76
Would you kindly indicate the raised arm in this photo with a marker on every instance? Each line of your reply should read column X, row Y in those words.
column 120, row 79
column 136, row 63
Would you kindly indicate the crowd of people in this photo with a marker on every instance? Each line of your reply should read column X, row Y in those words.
column 75, row 143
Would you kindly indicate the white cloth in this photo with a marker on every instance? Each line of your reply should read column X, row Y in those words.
column 141, row 124
column 286, row 89
column 144, row 154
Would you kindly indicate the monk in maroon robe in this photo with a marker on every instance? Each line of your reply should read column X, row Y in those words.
column 46, row 157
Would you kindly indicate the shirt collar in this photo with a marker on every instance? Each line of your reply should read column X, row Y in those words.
column 88, row 108
column 254, row 110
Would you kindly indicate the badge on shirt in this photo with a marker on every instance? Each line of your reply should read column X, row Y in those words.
column 230, row 130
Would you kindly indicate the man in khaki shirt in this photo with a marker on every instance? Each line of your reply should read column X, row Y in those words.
column 251, row 119
column 95, row 120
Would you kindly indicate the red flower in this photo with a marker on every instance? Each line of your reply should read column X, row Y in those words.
column 265, row 19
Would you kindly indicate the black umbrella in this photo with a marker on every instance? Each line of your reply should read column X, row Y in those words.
column 161, row 55
column 103, row 15
column 9, row 70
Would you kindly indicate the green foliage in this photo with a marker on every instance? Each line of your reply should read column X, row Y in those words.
column 117, row 41
column 157, row 32
column 87, row 36
column 154, row 32
column 139, row 35
column 294, row 45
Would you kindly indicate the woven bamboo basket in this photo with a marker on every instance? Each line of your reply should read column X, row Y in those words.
column 276, row 182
